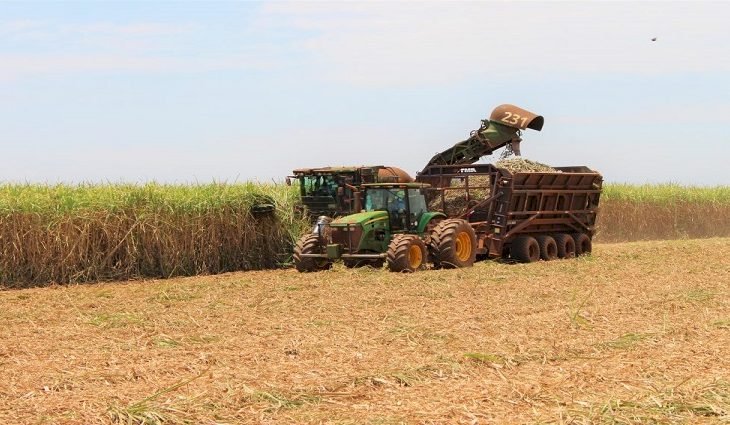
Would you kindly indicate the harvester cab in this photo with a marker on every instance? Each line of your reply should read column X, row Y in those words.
column 395, row 227
column 336, row 191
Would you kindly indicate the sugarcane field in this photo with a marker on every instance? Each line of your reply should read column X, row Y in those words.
column 325, row 213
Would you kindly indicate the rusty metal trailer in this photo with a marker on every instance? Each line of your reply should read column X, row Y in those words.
column 525, row 215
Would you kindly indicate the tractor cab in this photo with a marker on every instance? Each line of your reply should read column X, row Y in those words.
column 404, row 203
column 329, row 191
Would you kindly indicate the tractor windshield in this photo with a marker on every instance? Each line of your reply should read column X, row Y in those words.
column 318, row 185
column 393, row 200
column 404, row 206
column 416, row 204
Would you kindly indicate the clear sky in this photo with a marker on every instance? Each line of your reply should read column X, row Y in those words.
column 227, row 91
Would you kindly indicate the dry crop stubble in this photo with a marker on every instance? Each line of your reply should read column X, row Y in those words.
column 633, row 334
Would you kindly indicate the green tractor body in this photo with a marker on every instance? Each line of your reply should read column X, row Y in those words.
column 395, row 226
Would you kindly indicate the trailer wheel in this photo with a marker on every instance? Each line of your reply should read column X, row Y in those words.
column 583, row 244
column 309, row 244
column 566, row 245
column 406, row 253
column 548, row 247
column 525, row 249
column 453, row 244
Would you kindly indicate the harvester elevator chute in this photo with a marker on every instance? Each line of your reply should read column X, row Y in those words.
column 502, row 128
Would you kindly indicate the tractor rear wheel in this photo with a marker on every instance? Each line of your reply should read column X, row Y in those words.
column 583, row 244
column 566, row 245
column 453, row 244
column 309, row 244
column 406, row 254
column 548, row 247
column 525, row 249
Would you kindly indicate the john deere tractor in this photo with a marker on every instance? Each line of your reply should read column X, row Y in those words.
column 395, row 227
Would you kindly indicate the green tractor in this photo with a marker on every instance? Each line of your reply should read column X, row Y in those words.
column 395, row 227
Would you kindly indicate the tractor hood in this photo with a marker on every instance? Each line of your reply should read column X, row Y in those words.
column 360, row 218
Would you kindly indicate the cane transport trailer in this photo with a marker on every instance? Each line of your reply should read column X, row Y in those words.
column 523, row 216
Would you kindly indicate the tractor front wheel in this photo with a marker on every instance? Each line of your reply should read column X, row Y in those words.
column 309, row 244
column 406, row 254
column 453, row 244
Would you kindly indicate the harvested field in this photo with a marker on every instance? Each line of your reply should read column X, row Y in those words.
column 637, row 333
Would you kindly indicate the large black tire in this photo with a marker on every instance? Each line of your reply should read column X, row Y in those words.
column 309, row 244
column 406, row 254
column 548, row 247
column 566, row 245
column 525, row 249
column 453, row 244
column 583, row 244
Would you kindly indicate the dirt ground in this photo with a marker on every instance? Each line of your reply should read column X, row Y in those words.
column 636, row 333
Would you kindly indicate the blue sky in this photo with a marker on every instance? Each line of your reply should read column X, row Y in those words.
column 226, row 91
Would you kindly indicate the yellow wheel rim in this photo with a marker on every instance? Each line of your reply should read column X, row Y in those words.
column 415, row 256
column 463, row 246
